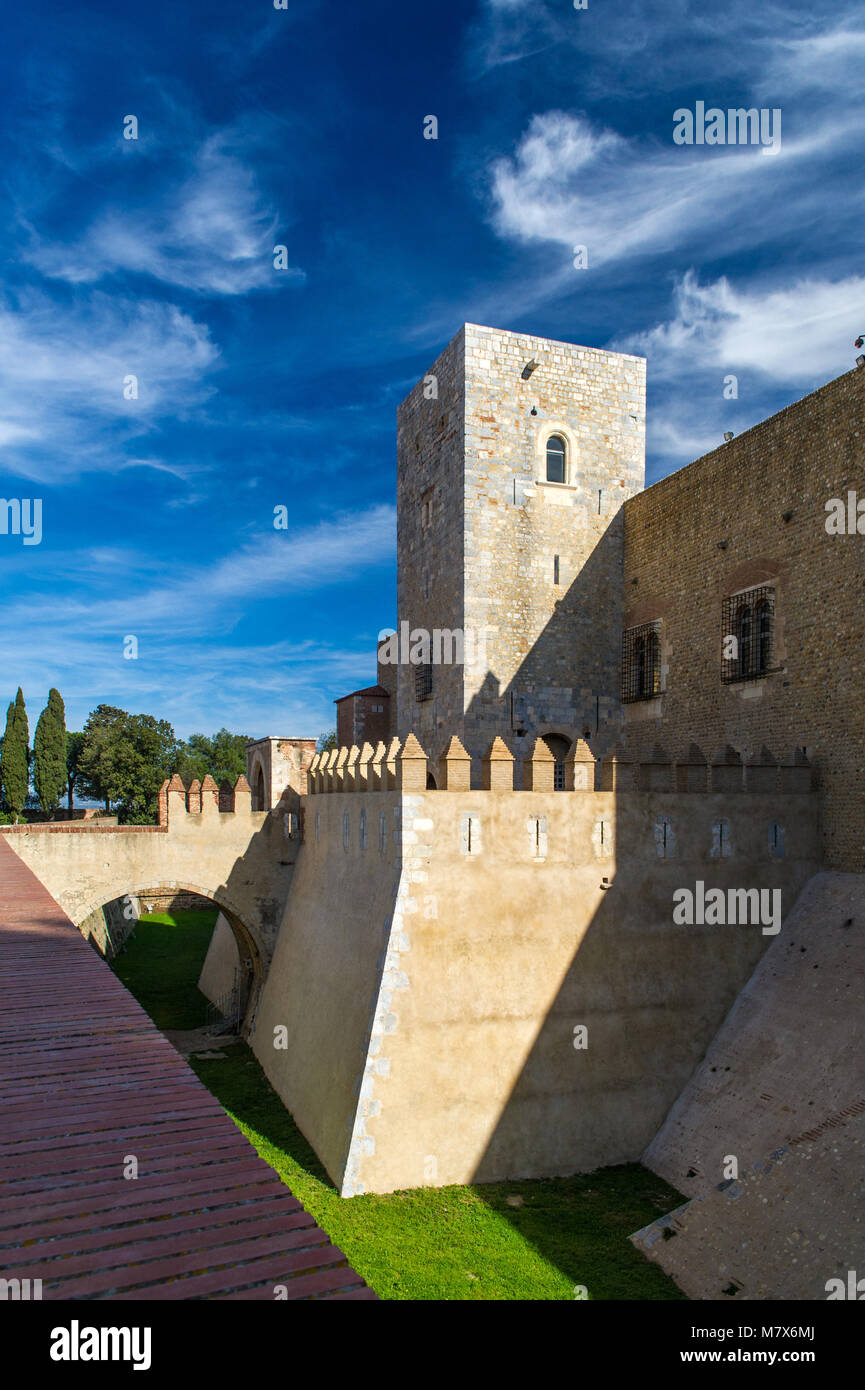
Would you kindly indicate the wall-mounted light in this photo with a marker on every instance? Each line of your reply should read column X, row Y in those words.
column 533, row 410
column 722, row 545
column 860, row 361
column 728, row 435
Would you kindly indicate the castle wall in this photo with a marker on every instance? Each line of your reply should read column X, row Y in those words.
column 283, row 763
column 430, row 542
column 552, row 649
column 431, row 988
column 325, row 980
column 751, row 512
column 242, row 860
column 545, row 644
column 789, row 1054
column 363, row 719
column 780, row 1091
column 221, row 965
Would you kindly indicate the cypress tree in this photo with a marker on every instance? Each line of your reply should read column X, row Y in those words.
column 49, row 753
column 14, row 772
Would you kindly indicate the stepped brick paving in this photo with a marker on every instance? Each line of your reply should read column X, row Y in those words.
column 87, row 1082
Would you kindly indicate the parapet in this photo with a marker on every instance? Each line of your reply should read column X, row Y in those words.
column 202, row 798
column 408, row 767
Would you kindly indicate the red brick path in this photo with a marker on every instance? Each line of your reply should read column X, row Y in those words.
column 85, row 1080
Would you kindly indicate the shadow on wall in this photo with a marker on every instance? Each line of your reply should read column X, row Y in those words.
column 251, row 899
column 568, row 682
column 641, row 998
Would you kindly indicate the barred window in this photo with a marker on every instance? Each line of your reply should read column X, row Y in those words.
column 641, row 662
column 747, row 637
column 558, row 746
column 423, row 681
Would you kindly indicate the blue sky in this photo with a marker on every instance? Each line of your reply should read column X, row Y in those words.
column 257, row 388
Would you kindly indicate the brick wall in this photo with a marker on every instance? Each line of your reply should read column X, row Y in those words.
column 752, row 512
column 363, row 719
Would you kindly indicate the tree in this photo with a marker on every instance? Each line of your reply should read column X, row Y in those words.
column 94, row 759
column 125, row 758
column 49, row 753
column 327, row 741
column 14, row 761
column 223, row 756
column 74, row 744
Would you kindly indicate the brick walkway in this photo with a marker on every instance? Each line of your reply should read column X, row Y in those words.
column 86, row 1080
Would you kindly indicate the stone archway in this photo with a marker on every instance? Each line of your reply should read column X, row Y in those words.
column 260, row 799
column 559, row 745
column 250, row 961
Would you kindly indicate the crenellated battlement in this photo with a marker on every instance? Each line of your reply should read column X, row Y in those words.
column 407, row 767
column 205, row 798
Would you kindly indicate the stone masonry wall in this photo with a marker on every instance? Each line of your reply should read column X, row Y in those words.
column 752, row 512
column 553, row 647
column 439, row 949
column 547, row 651
column 430, row 434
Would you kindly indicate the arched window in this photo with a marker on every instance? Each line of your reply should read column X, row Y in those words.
column 748, row 621
column 555, row 459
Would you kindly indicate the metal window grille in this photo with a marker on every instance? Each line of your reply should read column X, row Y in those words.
column 641, row 662
column 423, row 681
column 748, row 618
column 558, row 776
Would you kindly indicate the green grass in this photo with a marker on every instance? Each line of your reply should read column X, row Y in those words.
column 429, row 1243
column 162, row 963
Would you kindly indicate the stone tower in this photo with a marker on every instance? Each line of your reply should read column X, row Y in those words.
column 514, row 457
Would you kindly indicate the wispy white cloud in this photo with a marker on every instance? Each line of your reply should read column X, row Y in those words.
column 211, row 597
column 796, row 334
column 62, row 374
column 189, row 669
column 284, row 688
column 572, row 183
column 213, row 233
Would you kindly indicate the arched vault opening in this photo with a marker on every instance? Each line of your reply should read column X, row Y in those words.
column 238, row 976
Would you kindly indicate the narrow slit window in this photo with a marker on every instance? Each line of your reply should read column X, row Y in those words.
column 423, row 681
